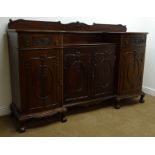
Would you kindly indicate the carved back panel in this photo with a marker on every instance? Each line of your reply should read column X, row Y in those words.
column 58, row 26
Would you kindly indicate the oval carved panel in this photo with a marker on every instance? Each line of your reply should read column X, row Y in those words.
column 43, row 81
column 103, row 71
column 132, row 69
column 40, row 75
column 77, row 63
column 76, row 76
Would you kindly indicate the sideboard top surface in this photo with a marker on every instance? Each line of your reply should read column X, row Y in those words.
column 57, row 31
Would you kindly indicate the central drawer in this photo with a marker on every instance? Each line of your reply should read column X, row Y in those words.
column 39, row 40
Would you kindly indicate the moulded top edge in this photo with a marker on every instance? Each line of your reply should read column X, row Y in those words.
column 59, row 31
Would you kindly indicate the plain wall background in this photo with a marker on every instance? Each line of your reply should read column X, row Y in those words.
column 144, row 24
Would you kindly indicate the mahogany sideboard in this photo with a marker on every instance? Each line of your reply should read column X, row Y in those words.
column 55, row 66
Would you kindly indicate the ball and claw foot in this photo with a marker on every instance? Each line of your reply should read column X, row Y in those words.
column 12, row 113
column 141, row 100
column 63, row 118
column 21, row 129
column 117, row 104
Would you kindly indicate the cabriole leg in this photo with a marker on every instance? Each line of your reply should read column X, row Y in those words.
column 63, row 117
column 117, row 104
column 141, row 100
column 12, row 112
column 21, row 127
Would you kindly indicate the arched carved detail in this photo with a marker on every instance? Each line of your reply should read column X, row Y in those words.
column 104, row 60
column 41, row 78
column 76, row 70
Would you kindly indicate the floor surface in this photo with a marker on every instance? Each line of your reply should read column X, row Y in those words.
column 133, row 119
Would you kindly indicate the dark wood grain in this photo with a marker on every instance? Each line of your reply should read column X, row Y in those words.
column 55, row 66
column 14, row 68
column 132, row 54
column 103, row 70
column 77, row 67
column 40, row 79
column 77, row 26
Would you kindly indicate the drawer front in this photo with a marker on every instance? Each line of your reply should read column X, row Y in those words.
column 131, row 40
column 31, row 40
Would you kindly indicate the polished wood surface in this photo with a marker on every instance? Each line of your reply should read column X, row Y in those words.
column 40, row 79
column 55, row 66
column 88, row 72
column 77, row 26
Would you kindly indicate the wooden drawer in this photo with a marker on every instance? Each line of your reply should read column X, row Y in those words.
column 38, row 40
column 136, row 49
column 132, row 39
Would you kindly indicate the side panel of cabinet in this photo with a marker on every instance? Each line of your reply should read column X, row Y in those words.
column 131, row 65
column 41, row 79
column 103, row 72
column 77, row 62
column 14, row 68
column 131, row 75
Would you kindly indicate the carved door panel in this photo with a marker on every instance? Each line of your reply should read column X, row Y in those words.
column 131, row 75
column 41, row 79
column 103, row 73
column 77, row 63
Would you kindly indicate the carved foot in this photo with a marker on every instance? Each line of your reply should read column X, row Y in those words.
column 12, row 113
column 117, row 104
column 63, row 117
column 141, row 100
column 21, row 128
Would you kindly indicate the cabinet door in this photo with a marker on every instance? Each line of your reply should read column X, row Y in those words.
column 103, row 72
column 41, row 79
column 131, row 70
column 77, row 63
